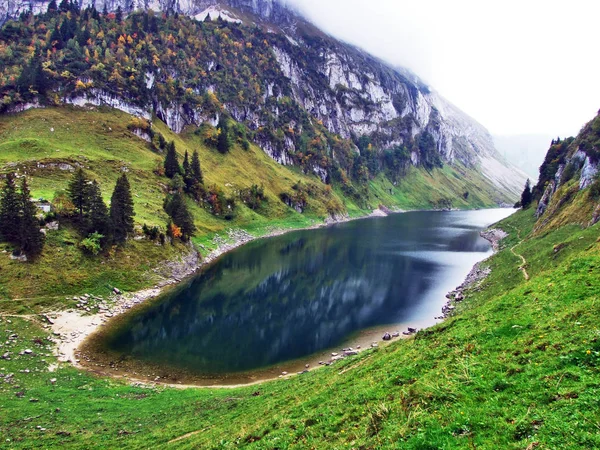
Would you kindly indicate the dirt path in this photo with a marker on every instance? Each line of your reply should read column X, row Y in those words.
column 523, row 261
column 518, row 255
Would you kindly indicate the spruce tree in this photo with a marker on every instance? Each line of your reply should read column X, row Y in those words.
column 97, row 218
column 196, row 170
column 223, row 141
column 176, row 208
column 10, row 206
column 31, row 239
column 79, row 192
column 121, row 210
column 188, row 178
column 52, row 6
column 171, row 162
column 526, row 196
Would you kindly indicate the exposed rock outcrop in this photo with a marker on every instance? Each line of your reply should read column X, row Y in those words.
column 349, row 91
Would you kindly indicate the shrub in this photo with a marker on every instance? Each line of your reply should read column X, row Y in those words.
column 92, row 244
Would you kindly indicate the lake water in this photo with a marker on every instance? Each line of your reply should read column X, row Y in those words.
column 294, row 296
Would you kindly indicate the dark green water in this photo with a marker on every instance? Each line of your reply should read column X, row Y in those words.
column 291, row 296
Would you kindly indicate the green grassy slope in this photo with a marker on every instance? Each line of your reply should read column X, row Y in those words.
column 38, row 142
column 517, row 367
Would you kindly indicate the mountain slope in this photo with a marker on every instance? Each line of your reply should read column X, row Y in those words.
column 568, row 190
column 284, row 80
column 516, row 366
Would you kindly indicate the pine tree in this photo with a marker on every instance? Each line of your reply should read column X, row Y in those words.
column 188, row 178
column 52, row 6
column 121, row 210
column 10, row 206
column 196, row 170
column 176, row 208
column 526, row 196
column 223, row 141
column 31, row 239
column 171, row 163
column 79, row 192
column 97, row 219
column 119, row 14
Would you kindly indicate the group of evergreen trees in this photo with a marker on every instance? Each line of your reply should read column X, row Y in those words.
column 187, row 178
column 93, row 218
column 526, row 195
column 191, row 172
column 18, row 222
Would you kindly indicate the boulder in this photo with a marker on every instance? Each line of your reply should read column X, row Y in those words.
column 387, row 337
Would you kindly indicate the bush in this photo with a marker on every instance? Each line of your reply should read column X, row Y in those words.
column 92, row 244
column 253, row 196
column 151, row 233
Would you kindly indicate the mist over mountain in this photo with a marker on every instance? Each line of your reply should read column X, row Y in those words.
column 525, row 151
column 351, row 93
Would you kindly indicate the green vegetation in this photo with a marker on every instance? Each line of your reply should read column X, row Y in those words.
column 189, row 72
column 43, row 144
column 19, row 225
column 517, row 365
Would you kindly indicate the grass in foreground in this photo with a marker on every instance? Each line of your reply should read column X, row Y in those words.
column 517, row 366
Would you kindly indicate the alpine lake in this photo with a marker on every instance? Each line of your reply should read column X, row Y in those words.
column 284, row 303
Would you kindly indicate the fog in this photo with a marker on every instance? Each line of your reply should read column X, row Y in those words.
column 518, row 67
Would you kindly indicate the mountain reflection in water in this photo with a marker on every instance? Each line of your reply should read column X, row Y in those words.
column 290, row 296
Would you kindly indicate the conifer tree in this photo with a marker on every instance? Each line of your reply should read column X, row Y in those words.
column 196, row 170
column 10, row 206
column 31, row 239
column 171, row 163
column 97, row 218
column 52, row 6
column 79, row 192
column 526, row 196
column 121, row 210
column 188, row 178
column 223, row 141
column 176, row 208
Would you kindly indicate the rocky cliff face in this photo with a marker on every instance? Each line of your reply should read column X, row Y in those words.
column 571, row 166
column 352, row 93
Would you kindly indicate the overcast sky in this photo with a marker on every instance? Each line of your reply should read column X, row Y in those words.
column 518, row 67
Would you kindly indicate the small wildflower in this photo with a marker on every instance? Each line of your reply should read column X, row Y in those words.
column 588, row 352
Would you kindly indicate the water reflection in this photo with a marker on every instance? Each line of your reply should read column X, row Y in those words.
column 294, row 295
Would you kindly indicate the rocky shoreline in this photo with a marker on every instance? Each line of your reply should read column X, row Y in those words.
column 478, row 273
column 73, row 326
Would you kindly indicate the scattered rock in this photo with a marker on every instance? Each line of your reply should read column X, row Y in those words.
column 387, row 337
column 117, row 291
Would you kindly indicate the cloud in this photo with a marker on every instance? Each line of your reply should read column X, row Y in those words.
column 516, row 66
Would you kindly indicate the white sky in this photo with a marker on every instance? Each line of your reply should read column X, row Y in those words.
column 518, row 67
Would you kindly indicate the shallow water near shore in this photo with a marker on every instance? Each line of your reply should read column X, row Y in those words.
column 280, row 303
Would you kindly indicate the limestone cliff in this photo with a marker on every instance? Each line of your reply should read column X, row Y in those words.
column 352, row 93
